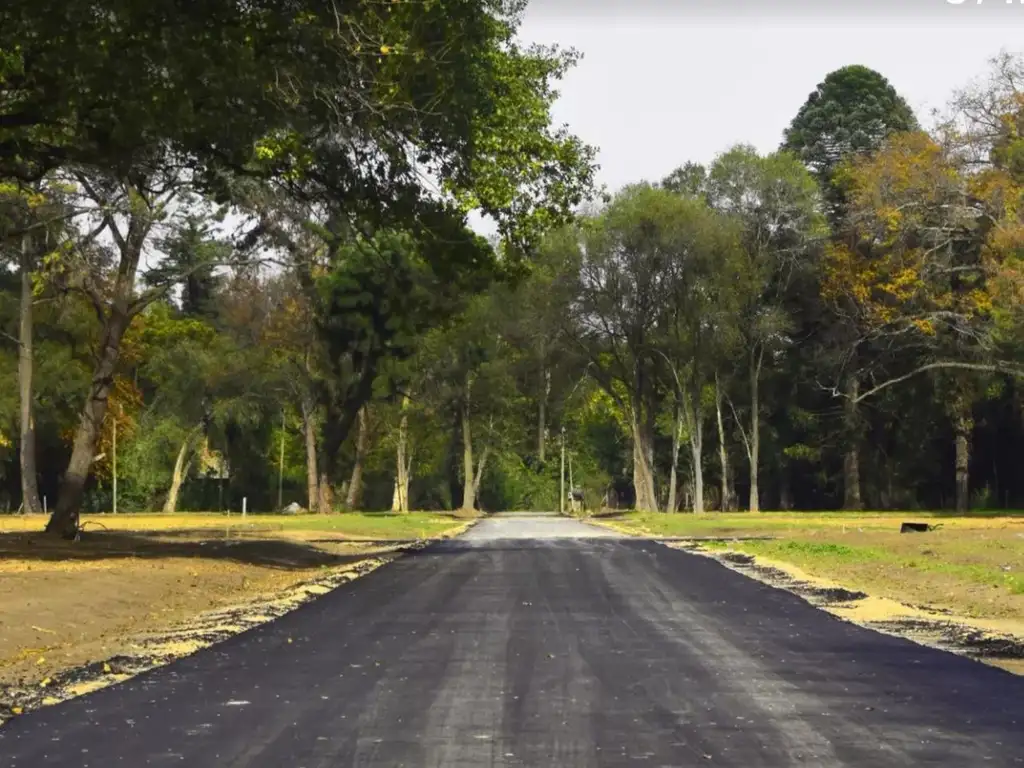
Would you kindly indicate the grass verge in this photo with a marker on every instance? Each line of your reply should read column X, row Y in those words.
column 968, row 573
column 971, row 565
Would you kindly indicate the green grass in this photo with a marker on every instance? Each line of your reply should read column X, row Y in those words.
column 947, row 562
column 782, row 523
column 973, row 565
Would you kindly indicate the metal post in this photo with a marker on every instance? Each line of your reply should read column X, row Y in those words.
column 572, row 486
column 245, row 501
column 561, row 481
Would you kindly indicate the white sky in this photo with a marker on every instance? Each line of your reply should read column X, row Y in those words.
column 663, row 82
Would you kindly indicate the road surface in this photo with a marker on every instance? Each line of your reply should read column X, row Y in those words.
column 543, row 642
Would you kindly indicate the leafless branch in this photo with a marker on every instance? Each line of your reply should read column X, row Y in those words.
column 1009, row 369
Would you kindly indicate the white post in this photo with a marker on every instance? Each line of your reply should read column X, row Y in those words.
column 572, row 505
column 245, row 500
column 114, row 462
column 44, row 506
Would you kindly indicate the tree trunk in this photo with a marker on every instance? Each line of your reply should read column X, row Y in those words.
column 723, row 453
column 677, row 430
column 962, row 444
column 400, row 500
column 117, row 315
column 851, row 459
column 643, row 470
column 309, row 432
column 696, row 449
column 479, row 474
column 785, row 490
column 27, row 454
column 325, row 495
column 180, row 468
column 355, row 483
column 468, row 495
column 64, row 520
column 542, row 417
column 755, row 429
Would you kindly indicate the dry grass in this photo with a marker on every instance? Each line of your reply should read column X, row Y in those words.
column 356, row 525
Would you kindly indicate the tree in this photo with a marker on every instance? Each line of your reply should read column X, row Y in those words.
column 129, row 210
column 30, row 217
column 777, row 205
column 932, row 239
column 477, row 118
column 851, row 112
column 653, row 273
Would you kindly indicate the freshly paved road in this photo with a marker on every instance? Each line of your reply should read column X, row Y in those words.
column 543, row 643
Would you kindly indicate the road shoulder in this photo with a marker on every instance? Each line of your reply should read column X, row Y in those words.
column 997, row 640
column 65, row 663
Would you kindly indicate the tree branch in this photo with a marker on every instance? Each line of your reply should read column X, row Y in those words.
column 997, row 367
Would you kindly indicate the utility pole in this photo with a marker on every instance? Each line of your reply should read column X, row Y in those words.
column 280, row 469
column 561, row 481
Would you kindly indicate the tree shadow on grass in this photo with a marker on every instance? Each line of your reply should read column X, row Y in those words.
column 94, row 546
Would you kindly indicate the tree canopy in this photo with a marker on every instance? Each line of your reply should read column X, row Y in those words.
column 238, row 264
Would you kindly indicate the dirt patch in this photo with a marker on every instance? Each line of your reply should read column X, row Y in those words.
column 996, row 641
column 79, row 616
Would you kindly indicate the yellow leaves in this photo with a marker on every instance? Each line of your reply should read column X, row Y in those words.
column 844, row 275
column 5, row 441
column 123, row 406
column 927, row 327
column 900, row 186
column 264, row 151
column 891, row 216
column 916, row 223
column 285, row 150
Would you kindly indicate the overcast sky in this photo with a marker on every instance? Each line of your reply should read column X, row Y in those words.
column 666, row 81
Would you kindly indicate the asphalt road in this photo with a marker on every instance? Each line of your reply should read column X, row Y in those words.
column 544, row 643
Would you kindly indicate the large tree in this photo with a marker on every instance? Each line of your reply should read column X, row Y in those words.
column 851, row 112
column 653, row 276
column 777, row 205
column 349, row 112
